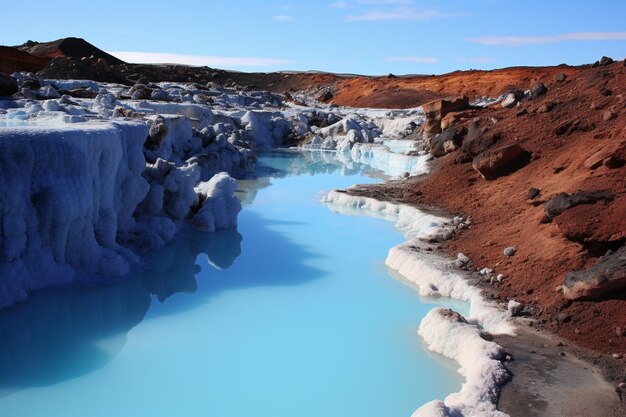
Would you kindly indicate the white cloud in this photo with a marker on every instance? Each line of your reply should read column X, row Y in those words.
column 420, row 59
column 283, row 17
column 339, row 5
column 534, row 40
column 197, row 60
column 477, row 59
column 402, row 13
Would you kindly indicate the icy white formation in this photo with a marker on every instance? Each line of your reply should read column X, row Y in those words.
column 479, row 360
column 220, row 206
column 68, row 192
column 391, row 163
column 456, row 339
column 402, row 146
column 414, row 223
column 93, row 180
column 371, row 137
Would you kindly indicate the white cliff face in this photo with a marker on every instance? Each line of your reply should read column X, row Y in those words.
column 67, row 193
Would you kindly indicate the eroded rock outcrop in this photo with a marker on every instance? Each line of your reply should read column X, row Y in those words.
column 563, row 201
column 436, row 110
column 503, row 160
column 604, row 280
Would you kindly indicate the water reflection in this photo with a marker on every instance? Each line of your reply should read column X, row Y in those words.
column 173, row 268
column 57, row 335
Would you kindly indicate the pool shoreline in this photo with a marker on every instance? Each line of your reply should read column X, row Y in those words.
column 418, row 262
column 525, row 352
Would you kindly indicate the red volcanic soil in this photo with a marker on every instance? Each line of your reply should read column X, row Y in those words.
column 405, row 92
column 576, row 134
column 12, row 59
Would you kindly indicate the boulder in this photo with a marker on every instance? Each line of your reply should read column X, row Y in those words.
column 8, row 85
column 560, row 77
column 452, row 118
column 611, row 155
column 538, row 90
column 601, row 281
column 605, row 60
column 533, row 193
column 509, row 251
column 436, row 110
column 563, row 201
column 326, row 96
column 446, row 105
column 447, row 141
column 478, row 139
column 31, row 84
column 609, row 115
column 500, row 161
column 509, row 101
column 140, row 92
column 546, row 108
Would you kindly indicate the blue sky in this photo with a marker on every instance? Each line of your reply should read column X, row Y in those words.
column 355, row 36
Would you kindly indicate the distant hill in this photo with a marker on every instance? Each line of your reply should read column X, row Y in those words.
column 66, row 48
column 12, row 59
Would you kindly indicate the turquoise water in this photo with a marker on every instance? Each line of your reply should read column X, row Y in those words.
column 292, row 314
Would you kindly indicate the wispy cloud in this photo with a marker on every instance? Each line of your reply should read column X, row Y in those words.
column 198, row 60
column 402, row 13
column 283, row 17
column 535, row 40
column 420, row 59
column 339, row 5
column 477, row 59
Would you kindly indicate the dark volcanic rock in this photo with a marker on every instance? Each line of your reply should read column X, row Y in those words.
column 605, row 60
column 8, row 85
column 478, row 139
column 326, row 96
column 601, row 281
column 563, row 201
column 560, row 77
column 500, row 161
column 447, row 141
column 538, row 90
column 31, row 84
column 83, row 69
column 533, row 193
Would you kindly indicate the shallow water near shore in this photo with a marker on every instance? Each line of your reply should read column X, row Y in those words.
column 293, row 313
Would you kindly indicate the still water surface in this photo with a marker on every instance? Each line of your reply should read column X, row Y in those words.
column 292, row 314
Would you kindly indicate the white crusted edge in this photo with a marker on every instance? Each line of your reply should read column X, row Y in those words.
column 479, row 359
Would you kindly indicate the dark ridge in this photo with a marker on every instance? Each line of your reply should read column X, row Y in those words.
column 67, row 47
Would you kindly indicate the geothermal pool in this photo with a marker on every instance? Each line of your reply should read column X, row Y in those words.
column 292, row 314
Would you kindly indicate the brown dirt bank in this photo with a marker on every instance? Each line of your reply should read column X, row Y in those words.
column 576, row 137
column 503, row 215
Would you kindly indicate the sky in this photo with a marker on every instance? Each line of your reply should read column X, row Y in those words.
column 346, row 36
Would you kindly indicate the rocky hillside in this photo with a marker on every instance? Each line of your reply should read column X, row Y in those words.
column 542, row 175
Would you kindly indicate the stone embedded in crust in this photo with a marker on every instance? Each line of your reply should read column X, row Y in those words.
column 601, row 281
column 500, row 161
